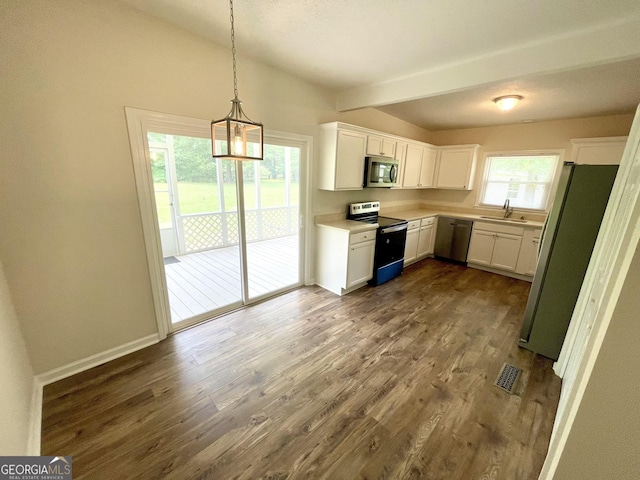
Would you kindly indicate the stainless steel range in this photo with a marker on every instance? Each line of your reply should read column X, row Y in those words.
column 390, row 240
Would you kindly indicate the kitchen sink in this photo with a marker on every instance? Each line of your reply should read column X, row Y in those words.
column 505, row 219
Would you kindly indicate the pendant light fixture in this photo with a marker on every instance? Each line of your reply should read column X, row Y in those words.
column 236, row 137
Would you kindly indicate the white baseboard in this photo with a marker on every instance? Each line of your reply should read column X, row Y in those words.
column 95, row 360
column 65, row 371
column 506, row 273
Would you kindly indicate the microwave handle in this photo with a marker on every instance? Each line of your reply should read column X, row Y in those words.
column 393, row 174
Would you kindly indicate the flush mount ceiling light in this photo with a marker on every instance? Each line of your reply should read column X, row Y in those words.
column 236, row 137
column 507, row 102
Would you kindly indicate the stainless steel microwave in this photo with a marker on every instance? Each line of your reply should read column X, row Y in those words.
column 380, row 172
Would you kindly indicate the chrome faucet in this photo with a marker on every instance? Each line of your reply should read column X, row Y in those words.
column 507, row 209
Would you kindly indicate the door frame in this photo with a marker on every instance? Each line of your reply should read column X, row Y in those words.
column 138, row 123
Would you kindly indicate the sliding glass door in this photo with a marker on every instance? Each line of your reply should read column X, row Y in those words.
column 272, row 211
column 230, row 231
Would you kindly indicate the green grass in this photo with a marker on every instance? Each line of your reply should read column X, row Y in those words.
column 203, row 197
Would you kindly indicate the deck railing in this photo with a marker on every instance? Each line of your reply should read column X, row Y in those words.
column 204, row 231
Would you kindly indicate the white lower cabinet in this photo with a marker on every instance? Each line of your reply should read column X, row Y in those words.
column 360, row 263
column 411, row 245
column 481, row 247
column 528, row 259
column 496, row 246
column 420, row 239
column 344, row 260
column 427, row 238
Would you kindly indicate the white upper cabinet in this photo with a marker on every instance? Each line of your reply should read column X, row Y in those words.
column 456, row 166
column 598, row 151
column 343, row 148
column 412, row 165
column 401, row 151
column 419, row 166
column 341, row 165
column 382, row 146
column 428, row 167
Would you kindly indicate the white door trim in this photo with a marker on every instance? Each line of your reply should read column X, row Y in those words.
column 138, row 123
column 614, row 249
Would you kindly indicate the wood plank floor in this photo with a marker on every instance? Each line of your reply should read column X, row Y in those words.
column 207, row 281
column 391, row 382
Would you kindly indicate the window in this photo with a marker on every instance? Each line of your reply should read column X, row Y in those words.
column 525, row 180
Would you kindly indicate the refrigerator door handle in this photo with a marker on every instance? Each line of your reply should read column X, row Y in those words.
column 544, row 230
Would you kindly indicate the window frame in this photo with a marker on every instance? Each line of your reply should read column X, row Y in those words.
column 521, row 153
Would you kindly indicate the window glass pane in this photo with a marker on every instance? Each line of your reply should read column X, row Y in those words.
column 163, row 205
column 524, row 180
column 159, row 166
column 196, row 175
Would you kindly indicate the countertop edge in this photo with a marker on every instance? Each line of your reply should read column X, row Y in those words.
column 416, row 214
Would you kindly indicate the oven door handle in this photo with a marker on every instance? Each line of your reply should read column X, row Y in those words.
column 397, row 228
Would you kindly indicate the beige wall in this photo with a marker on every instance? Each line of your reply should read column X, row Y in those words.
column 530, row 136
column 16, row 379
column 71, row 238
column 604, row 441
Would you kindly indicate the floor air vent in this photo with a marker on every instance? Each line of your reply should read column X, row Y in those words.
column 507, row 378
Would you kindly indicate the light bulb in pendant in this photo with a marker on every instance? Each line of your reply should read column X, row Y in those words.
column 238, row 144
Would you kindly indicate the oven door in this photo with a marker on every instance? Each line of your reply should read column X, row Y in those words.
column 381, row 172
column 390, row 243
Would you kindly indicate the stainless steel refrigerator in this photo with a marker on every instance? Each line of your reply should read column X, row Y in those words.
column 566, row 244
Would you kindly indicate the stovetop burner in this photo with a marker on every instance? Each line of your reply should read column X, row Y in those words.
column 387, row 221
column 368, row 213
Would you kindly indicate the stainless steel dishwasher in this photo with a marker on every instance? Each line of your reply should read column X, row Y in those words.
column 452, row 239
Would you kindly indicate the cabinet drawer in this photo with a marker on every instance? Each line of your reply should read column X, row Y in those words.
column 362, row 237
column 428, row 221
column 414, row 224
column 536, row 233
column 497, row 228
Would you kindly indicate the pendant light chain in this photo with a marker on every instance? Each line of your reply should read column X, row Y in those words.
column 233, row 53
column 236, row 136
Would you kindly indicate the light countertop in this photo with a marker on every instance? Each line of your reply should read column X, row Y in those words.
column 415, row 214
column 410, row 215
column 351, row 226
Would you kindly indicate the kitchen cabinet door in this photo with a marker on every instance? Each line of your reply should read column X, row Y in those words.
column 350, row 160
column 379, row 145
column 528, row 258
column 360, row 263
column 428, row 167
column 456, row 167
column 481, row 247
column 401, row 152
column 341, row 159
column 505, row 251
column 412, row 165
column 411, row 246
column 426, row 241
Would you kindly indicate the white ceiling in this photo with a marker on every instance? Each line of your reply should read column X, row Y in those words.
column 438, row 63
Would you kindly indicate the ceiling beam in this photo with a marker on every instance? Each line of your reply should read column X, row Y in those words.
column 612, row 43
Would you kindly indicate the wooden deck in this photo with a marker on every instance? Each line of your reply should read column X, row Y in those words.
column 207, row 281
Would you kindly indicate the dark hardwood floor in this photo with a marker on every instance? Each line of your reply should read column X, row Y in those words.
column 389, row 382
